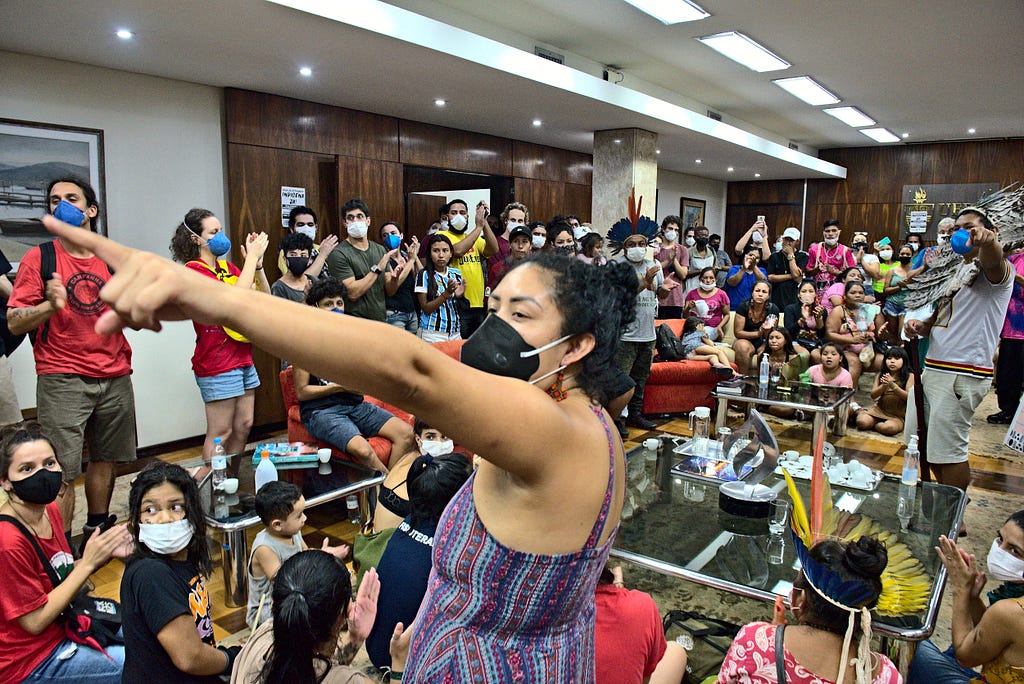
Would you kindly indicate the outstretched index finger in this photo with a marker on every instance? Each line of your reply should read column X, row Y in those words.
column 112, row 253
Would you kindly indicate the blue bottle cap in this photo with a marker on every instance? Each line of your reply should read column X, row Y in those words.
column 960, row 241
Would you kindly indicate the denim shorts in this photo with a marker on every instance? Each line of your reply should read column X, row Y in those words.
column 338, row 425
column 233, row 383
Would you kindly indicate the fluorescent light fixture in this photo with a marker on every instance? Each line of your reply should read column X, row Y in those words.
column 742, row 49
column 306, row 71
column 882, row 135
column 808, row 90
column 670, row 11
column 851, row 116
column 124, row 34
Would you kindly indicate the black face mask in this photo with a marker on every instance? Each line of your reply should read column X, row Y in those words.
column 297, row 265
column 715, row 245
column 905, row 260
column 41, row 487
column 860, row 245
column 566, row 250
column 702, row 242
column 497, row 348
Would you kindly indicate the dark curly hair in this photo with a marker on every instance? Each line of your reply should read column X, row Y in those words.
column 432, row 482
column 600, row 300
column 863, row 560
column 87, row 192
column 153, row 475
column 183, row 247
column 325, row 287
column 292, row 241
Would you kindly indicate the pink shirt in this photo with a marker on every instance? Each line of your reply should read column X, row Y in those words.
column 751, row 660
column 838, row 257
column 716, row 303
column 677, row 251
column 844, row 379
column 1013, row 326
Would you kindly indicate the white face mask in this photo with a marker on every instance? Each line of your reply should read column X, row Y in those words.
column 806, row 297
column 538, row 241
column 438, row 447
column 942, row 239
column 168, row 538
column 778, row 246
column 913, row 246
column 580, row 232
column 357, row 229
column 671, row 235
column 309, row 231
column 636, row 254
column 1004, row 566
column 707, row 287
column 831, row 242
column 756, row 238
column 458, row 222
column 512, row 225
column 689, row 242
column 885, row 254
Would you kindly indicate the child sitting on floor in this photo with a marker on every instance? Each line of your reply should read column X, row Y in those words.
column 890, row 395
column 699, row 347
column 281, row 507
column 831, row 371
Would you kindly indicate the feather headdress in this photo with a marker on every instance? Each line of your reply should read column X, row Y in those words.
column 635, row 224
column 947, row 272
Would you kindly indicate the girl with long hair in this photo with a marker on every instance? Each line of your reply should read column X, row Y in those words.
column 890, row 391
column 438, row 286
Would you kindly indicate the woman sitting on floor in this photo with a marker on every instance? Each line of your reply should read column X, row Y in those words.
column 829, row 642
column 991, row 637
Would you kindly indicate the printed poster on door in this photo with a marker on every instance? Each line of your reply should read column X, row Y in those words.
column 290, row 197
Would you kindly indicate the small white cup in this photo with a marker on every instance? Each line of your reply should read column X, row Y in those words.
column 324, row 455
column 651, row 443
column 791, row 455
column 230, row 485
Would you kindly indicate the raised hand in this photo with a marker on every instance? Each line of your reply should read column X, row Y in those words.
column 102, row 546
column 363, row 610
column 328, row 244
column 56, row 293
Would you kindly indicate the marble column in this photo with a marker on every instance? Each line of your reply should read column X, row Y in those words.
column 624, row 158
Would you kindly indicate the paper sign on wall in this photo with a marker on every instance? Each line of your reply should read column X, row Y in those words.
column 290, row 197
column 918, row 221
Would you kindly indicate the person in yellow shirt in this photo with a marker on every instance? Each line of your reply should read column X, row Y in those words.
column 470, row 249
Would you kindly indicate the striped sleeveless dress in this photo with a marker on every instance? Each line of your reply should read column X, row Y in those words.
column 494, row 614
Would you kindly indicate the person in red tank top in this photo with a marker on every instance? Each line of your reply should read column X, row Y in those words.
column 222, row 361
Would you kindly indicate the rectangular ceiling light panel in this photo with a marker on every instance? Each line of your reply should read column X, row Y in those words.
column 746, row 51
column 808, row 90
column 851, row 116
column 670, row 11
column 882, row 135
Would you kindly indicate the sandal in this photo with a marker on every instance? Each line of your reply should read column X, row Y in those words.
column 723, row 370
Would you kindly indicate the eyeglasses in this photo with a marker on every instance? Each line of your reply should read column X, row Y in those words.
column 301, row 224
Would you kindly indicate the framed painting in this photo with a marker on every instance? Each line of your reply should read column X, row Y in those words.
column 691, row 211
column 31, row 156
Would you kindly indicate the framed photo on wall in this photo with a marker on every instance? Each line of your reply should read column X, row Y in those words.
column 691, row 211
column 31, row 155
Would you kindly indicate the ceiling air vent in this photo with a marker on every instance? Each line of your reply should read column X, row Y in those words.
column 548, row 55
column 712, row 114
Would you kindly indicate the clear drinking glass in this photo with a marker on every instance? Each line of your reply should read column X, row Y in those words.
column 778, row 516
column 776, row 549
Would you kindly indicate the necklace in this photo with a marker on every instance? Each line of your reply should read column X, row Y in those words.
column 24, row 522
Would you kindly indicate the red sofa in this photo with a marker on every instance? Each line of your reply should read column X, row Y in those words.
column 678, row 386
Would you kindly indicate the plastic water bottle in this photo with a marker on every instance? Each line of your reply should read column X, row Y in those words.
column 352, row 504
column 764, row 372
column 700, row 424
column 220, row 465
column 905, row 504
column 911, row 462
column 266, row 471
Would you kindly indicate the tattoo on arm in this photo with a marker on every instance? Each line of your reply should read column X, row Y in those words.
column 346, row 653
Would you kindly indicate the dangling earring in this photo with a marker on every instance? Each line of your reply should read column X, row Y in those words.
column 557, row 390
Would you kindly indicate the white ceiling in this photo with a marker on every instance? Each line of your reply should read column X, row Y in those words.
column 932, row 68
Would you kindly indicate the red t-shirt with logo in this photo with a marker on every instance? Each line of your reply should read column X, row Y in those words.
column 72, row 344
column 24, row 588
column 216, row 352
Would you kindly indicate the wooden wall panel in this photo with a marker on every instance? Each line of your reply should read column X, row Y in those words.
column 544, row 198
column 378, row 183
column 274, row 121
column 447, row 148
column 578, row 201
column 549, row 163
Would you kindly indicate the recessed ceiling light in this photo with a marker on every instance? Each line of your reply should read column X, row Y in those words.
column 972, row 130
column 851, row 116
column 124, row 34
column 537, row 122
column 696, row 161
column 905, row 135
column 747, row 52
column 657, row 151
column 729, row 169
column 306, row 71
column 807, row 89
column 617, row 141
column 882, row 135
column 439, row 102
column 757, row 175
column 670, row 11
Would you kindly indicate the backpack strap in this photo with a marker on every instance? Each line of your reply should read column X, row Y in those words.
column 47, row 267
column 50, row 572
column 780, row 655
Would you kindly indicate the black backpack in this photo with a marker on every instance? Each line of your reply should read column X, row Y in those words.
column 669, row 347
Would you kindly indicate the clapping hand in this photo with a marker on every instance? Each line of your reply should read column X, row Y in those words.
column 255, row 244
column 363, row 610
column 961, row 567
column 413, row 246
column 328, row 244
column 56, row 293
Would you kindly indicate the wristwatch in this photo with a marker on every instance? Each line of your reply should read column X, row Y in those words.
column 375, row 269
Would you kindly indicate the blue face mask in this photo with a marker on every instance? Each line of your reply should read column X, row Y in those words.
column 68, row 213
column 392, row 241
column 336, row 310
column 219, row 244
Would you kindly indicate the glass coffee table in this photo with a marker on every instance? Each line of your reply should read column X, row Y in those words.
column 675, row 528
column 234, row 514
